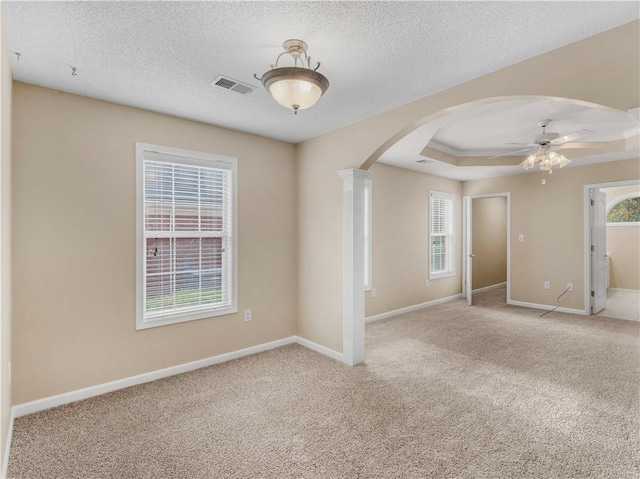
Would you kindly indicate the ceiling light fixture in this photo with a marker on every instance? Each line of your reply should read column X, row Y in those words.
column 543, row 144
column 297, row 87
column 546, row 158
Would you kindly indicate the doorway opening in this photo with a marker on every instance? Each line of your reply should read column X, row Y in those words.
column 612, row 263
column 486, row 246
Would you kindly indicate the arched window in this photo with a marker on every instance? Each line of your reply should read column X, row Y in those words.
column 625, row 211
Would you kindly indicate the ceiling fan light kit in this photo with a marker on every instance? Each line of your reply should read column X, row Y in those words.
column 547, row 159
column 545, row 156
column 296, row 87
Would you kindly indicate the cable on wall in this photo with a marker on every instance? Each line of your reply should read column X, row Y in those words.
column 557, row 301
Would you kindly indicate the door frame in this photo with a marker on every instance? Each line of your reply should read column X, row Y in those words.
column 467, row 291
column 587, row 234
column 467, row 220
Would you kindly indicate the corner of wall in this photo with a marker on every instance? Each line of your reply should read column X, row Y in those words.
column 6, row 81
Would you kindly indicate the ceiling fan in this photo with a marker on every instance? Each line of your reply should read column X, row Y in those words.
column 543, row 147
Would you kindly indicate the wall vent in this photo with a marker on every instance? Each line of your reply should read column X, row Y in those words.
column 227, row 83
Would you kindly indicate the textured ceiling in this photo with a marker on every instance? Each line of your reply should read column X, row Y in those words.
column 161, row 56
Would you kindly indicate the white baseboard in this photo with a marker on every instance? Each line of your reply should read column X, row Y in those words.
column 72, row 396
column 7, row 447
column 486, row 288
column 408, row 309
column 85, row 393
column 319, row 348
column 623, row 289
column 547, row 307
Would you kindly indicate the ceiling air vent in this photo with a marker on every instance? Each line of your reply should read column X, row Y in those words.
column 227, row 83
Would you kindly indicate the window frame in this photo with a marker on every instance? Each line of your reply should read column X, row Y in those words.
column 192, row 158
column 367, row 236
column 620, row 199
column 450, row 237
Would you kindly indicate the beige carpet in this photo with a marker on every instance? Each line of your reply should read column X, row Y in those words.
column 450, row 391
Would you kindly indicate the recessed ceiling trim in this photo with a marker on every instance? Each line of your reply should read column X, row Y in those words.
column 464, row 153
column 611, row 128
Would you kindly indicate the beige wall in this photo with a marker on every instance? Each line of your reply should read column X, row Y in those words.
column 74, row 168
column 623, row 244
column 400, row 201
column 551, row 217
column 5, row 241
column 74, row 236
column 320, row 245
column 613, row 73
column 489, row 237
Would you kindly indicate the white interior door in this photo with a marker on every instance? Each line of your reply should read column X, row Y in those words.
column 467, row 255
column 598, row 251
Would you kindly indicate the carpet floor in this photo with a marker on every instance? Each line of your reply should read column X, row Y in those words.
column 451, row 391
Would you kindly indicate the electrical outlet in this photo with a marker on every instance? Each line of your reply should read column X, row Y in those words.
column 521, row 238
column 547, row 285
column 569, row 286
column 373, row 292
column 247, row 315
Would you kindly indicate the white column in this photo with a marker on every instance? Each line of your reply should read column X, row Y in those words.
column 353, row 266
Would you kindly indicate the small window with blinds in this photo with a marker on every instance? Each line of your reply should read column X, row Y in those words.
column 186, row 235
column 441, row 244
column 367, row 235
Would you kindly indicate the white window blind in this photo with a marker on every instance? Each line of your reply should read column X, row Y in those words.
column 441, row 254
column 367, row 234
column 188, row 241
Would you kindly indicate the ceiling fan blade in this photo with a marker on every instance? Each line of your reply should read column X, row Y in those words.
column 571, row 137
column 512, row 153
column 581, row 145
column 523, row 144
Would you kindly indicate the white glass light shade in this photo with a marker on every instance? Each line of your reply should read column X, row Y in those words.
column 563, row 161
column 295, row 92
column 547, row 159
column 529, row 162
column 294, row 87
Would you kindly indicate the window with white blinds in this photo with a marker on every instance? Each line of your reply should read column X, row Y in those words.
column 367, row 235
column 441, row 245
column 186, row 235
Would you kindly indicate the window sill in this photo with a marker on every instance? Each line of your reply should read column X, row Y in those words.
column 623, row 224
column 182, row 317
column 448, row 274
